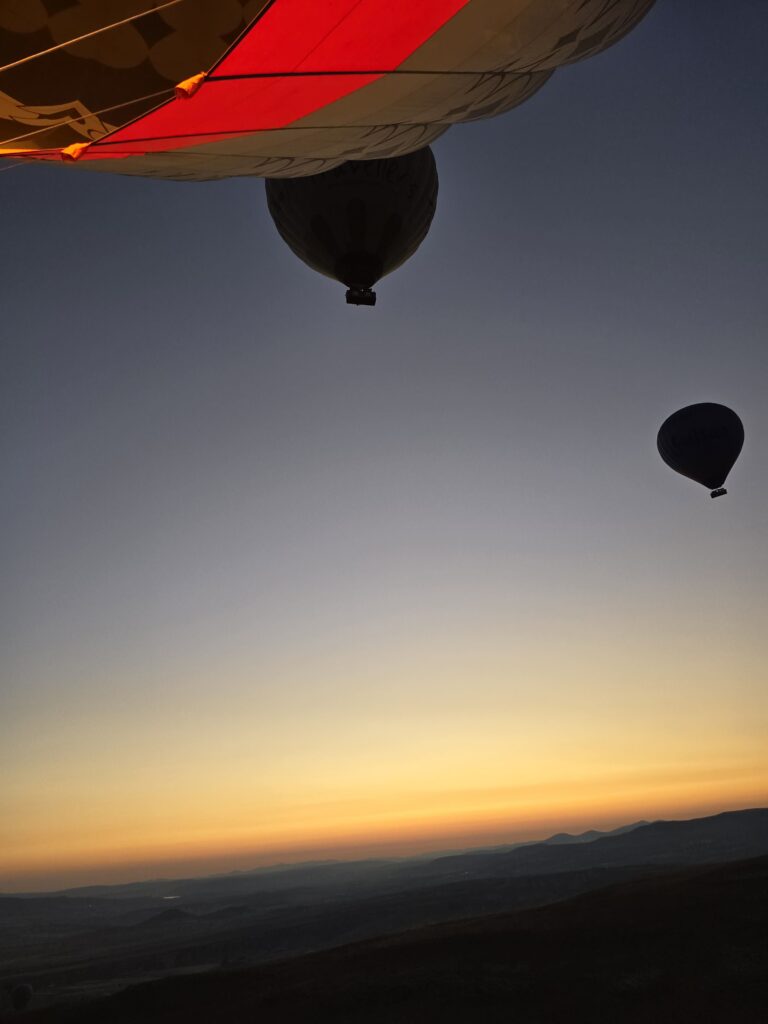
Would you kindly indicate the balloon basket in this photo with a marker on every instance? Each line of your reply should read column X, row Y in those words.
column 361, row 297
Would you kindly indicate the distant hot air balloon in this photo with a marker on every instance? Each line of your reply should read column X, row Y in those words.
column 360, row 221
column 21, row 996
column 702, row 442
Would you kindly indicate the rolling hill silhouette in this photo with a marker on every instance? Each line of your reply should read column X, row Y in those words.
column 72, row 946
column 688, row 946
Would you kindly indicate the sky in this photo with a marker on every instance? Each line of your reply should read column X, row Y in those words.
column 283, row 578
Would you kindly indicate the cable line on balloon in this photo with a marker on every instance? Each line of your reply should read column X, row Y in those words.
column 501, row 72
column 89, row 35
column 86, row 117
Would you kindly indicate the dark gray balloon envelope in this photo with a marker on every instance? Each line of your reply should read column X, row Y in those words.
column 21, row 997
column 702, row 442
column 359, row 221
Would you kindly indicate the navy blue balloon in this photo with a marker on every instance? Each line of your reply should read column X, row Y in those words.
column 702, row 442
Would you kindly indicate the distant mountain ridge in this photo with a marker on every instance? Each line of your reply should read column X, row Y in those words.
column 241, row 881
column 732, row 835
column 55, row 942
column 558, row 839
column 591, row 834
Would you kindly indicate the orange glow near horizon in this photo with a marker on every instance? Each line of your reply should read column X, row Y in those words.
column 384, row 824
column 45, row 870
column 385, row 755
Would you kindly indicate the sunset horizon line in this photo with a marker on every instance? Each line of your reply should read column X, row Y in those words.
column 219, row 865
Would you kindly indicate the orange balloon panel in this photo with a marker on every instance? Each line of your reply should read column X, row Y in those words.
column 196, row 89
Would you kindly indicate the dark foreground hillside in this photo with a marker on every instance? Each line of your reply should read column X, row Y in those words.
column 690, row 946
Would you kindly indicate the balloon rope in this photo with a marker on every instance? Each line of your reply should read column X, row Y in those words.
column 83, row 117
column 90, row 35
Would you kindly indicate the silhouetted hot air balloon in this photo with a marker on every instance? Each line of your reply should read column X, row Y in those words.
column 702, row 442
column 360, row 221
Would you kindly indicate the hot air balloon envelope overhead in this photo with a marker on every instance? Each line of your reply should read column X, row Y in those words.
column 192, row 89
column 702, row 442
column 360, row 221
